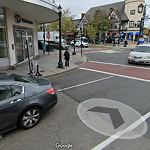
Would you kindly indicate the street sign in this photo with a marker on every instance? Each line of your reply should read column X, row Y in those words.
column 109, row 117
column 34, row 66
column 48, row 36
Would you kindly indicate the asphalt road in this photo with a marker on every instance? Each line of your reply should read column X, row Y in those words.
column 129, row 91
column 63, row 125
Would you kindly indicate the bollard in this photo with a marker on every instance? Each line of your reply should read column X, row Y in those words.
column 37, row 72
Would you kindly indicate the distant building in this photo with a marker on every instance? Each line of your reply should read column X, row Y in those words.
column 125, row 17
column 18, row 22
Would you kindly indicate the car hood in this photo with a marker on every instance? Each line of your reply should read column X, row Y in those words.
column 139, row 54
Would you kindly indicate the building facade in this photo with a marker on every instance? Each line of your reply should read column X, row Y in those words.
column 18, row 25
column 125, row 17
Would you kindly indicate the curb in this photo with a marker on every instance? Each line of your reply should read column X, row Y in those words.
column 46, row 76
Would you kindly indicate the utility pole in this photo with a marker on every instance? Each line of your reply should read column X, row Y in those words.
column 142, row 22
column 100, row 29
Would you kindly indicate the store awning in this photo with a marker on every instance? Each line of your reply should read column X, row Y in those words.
column 44, row 11
column 130, row 33
column 122, row 33
column 137, row 33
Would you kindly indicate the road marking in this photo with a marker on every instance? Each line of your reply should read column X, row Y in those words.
column 115, row 74
column 84, row 84
column 120, row 133
column 118, row 65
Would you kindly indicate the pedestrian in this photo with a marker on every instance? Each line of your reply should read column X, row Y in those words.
column 67, row 57
column 44, row 48
column 48, row 48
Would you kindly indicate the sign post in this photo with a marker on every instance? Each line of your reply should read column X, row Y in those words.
column 28, row 54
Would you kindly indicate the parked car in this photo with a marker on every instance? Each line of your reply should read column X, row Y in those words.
column 78, row 43
column 63, row 45
column 23, row 101
column 140, row 54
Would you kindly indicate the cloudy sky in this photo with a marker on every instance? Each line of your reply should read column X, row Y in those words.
column 82, row 6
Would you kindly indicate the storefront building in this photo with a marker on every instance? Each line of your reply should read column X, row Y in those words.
column 18, row 23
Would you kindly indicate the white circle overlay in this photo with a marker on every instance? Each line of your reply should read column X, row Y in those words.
column 102, row 122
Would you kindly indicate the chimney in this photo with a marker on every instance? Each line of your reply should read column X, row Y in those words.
column 82, row 15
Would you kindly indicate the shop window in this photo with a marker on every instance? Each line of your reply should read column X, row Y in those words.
column 3, row 43
column 132, row 12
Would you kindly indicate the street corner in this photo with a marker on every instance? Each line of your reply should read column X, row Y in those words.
column 112, row 118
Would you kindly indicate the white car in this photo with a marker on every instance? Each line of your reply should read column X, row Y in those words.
column 140, row 54
column 78, row 43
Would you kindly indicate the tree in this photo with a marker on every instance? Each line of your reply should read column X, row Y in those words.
column 39, row 28
column 100, row 23
column 67, row 24
column 91, row 32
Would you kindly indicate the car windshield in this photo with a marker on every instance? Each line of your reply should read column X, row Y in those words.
column 25, row 79
column 144, row 49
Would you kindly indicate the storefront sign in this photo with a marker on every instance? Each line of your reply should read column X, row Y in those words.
column 19, row 20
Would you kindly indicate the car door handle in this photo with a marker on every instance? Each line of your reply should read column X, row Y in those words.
column 18, row 100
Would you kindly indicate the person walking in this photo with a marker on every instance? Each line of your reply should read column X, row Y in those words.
column 44, row 48
column 67, row 57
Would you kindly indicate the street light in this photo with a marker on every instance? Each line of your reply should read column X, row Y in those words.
column 81, row 26
column 60, row 64
column 75, row 33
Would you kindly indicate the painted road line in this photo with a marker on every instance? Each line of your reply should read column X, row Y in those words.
column 114, row 137
column 118, row 65
column 115, row 74
column 91, row 52
column 84, row 84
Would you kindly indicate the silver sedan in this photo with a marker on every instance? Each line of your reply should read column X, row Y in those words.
column 140, row 54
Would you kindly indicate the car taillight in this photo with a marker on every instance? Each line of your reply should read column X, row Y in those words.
column 51, row 91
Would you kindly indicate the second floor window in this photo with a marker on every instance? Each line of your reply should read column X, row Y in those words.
column 132, row 12
column 116, row 25
column 113, row 17
column 138, row 24
column 131, row 24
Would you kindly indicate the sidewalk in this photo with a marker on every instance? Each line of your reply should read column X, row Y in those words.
column 48, row 64
column 129, row 46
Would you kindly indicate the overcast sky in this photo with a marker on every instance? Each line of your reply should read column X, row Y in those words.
column 82, row 6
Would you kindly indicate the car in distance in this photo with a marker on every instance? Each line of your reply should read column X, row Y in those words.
column 78, row 43
column 140, row 54
column 23, row 101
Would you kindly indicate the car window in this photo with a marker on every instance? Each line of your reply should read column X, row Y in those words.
column 5, row 92
column 8, row 91
column 16, row 90
column 144, row 49
column 25, row 79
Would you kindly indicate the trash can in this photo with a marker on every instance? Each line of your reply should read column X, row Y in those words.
column 97, row 42
column 51, row 47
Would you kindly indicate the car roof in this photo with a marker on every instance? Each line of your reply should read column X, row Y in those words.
column 16, row 83
column 145, row 45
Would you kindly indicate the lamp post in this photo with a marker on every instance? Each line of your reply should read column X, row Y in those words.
column 60, row 63
column 81, row 26
column 74, row 52
column 119, row 33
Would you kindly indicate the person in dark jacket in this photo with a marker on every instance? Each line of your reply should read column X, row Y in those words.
column 67, row 57
column 48, row 48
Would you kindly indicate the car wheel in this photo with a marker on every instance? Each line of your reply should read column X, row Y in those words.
column 30, row 117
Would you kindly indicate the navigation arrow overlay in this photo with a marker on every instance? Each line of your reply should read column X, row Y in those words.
column 115, row 115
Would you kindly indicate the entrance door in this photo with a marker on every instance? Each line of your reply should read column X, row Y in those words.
column 18, row 42
column 21, row 45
